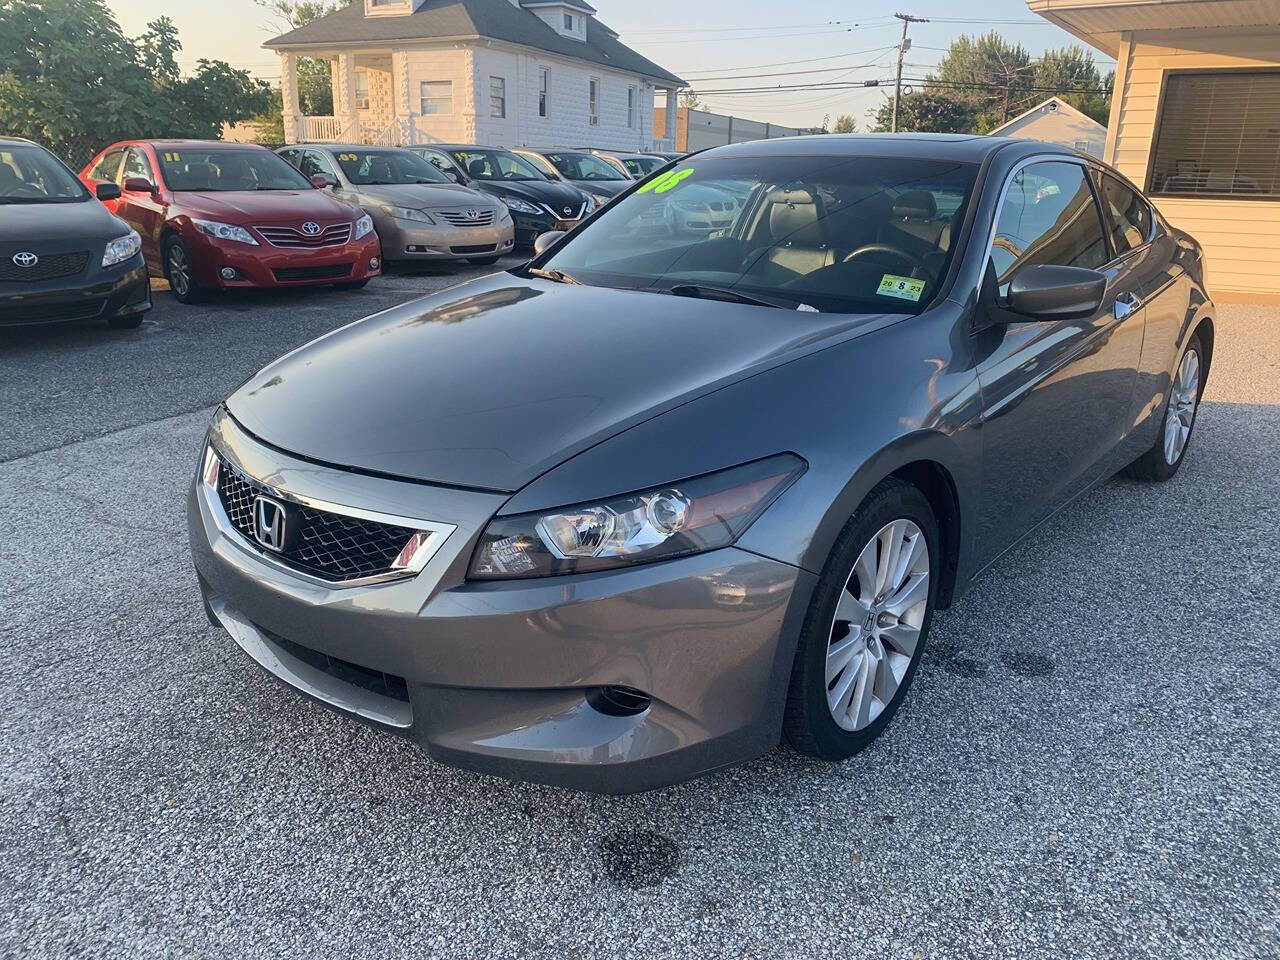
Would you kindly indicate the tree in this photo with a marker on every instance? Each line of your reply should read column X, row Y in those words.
column 927, row 111
column 71, row 79
column 690, row 100
column 844, row 124
column 315, row 83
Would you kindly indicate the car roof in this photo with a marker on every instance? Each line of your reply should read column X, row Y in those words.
column 926, row 146
column 344, row 146
column 7, row 139
column 192, row 144
column 461, row 146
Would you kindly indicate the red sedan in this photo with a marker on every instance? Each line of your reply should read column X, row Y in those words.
column 216, row 215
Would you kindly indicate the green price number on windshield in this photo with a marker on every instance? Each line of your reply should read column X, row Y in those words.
column 668, row 181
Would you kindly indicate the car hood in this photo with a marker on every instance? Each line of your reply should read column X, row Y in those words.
column 602, row 188
column 421, row 196
column 495, row 382
column 248, row 207
column 555, row 195
column 22, row 223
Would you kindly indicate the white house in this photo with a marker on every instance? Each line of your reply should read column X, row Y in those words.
column 1056, row 121
column 494, row 72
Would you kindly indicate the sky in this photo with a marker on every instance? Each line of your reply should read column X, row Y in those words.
column 714, row 44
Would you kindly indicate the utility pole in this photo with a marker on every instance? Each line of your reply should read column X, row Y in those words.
column 902, row 48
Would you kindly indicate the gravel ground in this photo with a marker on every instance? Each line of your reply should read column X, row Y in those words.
column 1086, row 766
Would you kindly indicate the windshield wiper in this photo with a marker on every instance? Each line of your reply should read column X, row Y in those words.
column 700, row 291
column 558, row 276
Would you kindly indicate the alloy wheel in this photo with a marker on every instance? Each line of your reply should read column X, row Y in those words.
column 179, row 271
column 1184, row 395
column 877, row 622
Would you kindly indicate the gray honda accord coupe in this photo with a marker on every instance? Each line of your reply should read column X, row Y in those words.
column 649, row 504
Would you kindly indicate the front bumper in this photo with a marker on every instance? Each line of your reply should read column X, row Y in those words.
column 119, row 291
column 505, row 677
column 403, row 240
column 268, row 266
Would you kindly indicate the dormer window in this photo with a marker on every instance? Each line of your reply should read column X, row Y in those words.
column 566, row 17
column 568, row 22
column 390, row 8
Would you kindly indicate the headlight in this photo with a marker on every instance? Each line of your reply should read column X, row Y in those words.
column 519, row 206
column 599, row 200
column 122, row 248
column 691, row 516
column 402, row 213
column 364, row 226
column 224, row 231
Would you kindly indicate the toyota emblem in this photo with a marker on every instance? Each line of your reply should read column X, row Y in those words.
column 311, row 228
column 25, row 259
column 473, row 214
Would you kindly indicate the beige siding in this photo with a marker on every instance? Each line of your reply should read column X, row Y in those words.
column 1241, row 237
column 1058, row 126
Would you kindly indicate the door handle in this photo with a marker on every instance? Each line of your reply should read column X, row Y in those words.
column 1125, row 306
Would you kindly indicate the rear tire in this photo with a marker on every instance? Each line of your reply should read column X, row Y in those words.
column 178, row 271
column 1162, row 461
column 866, row 626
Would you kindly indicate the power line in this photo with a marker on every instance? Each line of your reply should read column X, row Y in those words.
column 789, row 26
column 796, row 73
column 781, row 63
column 907, row 20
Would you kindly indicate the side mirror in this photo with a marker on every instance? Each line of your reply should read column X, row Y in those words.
column 546, row 241
column 453, row 175
column 320, row 181
column 139, row 185
column 107, row 191
column 1049, row 292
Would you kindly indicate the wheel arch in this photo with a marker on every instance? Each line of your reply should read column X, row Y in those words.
column 939, row 487
column 1204, row 329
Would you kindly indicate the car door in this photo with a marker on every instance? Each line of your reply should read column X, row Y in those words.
column 1056, row 393
column 1151, row 256
column 316, row 163
column 142, row 209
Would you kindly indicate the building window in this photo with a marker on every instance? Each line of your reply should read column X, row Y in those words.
column 568, row 21
column 362, row 90
column 544, row 92
column 1218, row 135
column 631, row 108
column 497, row 97
column 437, row 96
column 593, row 101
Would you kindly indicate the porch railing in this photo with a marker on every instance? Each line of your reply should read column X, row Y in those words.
column 397, row 133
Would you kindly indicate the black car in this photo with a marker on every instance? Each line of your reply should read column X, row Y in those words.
column 63, row 256
column 536, row 203
column 583, row 169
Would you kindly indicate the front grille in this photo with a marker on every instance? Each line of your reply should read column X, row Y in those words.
column 375, row 681
column 331, row 546
column 50, row 312
column 482, row 248
column 459, row 218
column 50, row 266
column 331, row 236
column 336, row 272
column 559, row 214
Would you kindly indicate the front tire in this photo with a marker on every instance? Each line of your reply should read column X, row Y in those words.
column 1162, row 461
column 179, row 272
column 865, row 630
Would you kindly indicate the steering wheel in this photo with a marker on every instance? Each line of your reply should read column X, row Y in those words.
column 24, row 190
column 912, row 263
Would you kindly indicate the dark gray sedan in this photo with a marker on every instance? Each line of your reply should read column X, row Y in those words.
column 637, row 510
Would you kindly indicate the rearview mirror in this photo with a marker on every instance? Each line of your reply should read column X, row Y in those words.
column 546, row 241
column 139, row 185
column 107, row 191
column 320, row 181
column 1049, row 292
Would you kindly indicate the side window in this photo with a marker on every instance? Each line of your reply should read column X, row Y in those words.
column 439, row 162
column 315, row 164
column 290, row 156
column 1048, row 216
column 136, row 164
column 108, row 168
column 1127, row 214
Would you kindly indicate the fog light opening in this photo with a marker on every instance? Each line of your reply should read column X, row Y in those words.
column 229, row 273
column 374, row 263
column 619, row 701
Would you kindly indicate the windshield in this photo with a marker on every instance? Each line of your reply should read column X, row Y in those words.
column 838, row 234
column 641, row 167
column 495, row 165
column 583, row 166
column 30, row 174
column 220, row 169
column 364, row 167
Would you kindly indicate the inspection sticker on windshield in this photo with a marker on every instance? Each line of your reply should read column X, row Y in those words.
column 904, row 288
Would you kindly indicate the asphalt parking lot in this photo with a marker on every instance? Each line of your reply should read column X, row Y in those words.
column 1086, row 765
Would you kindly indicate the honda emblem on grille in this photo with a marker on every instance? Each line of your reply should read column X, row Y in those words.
column 311, row 228
column 269, row 520
column 25, row 259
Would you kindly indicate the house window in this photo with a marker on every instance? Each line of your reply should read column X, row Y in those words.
column 631, row 107
column 568, row 21
column 1218, row 135
column 362, row 90
column 497, row 97
column 544, row 92
column 593, row 101
column 437, row 96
